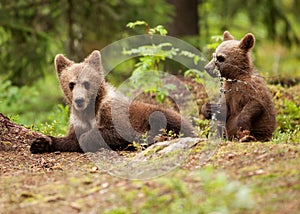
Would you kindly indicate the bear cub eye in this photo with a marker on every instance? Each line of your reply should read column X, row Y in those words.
column 220, row 58
column 71, row 85
column 86, row 85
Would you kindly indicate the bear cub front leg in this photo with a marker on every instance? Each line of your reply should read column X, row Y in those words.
column 208, row 109
column 52, row 144
column 92, row 141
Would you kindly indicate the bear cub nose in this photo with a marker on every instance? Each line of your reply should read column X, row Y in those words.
column 79, row 101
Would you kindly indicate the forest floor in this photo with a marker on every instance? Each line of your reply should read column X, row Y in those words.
column 71, row 183
column 238, row 178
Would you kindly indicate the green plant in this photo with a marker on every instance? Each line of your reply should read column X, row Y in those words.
column 203, row 127
column 58, row 124
column 159, row 29
column 144, row 143
column 287, row 136
column 167, row 135
column 214, row 42
column 151, row 59
column 288, row 115
column 32, row 104
column 16, row 100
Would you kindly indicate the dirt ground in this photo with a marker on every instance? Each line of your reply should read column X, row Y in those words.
column 70, row 182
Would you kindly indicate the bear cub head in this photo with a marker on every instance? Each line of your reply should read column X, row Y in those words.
column 232, row 59
column 80, row 81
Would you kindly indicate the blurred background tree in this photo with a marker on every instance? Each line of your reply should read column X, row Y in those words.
column 184, row 19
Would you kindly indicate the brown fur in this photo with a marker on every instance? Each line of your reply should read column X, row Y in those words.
column 250, row 113
column 100, row 117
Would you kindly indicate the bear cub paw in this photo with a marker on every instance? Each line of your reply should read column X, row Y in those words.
column 40, row 145
column 244, row 136
column 208, row 109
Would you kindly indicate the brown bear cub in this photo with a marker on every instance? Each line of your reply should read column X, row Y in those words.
column 246, row 105
column 102, row 118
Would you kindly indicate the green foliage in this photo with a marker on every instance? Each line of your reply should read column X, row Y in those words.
column 159, row 29
column 141, row 145
column 288, row 121
column 26, row 50
column 31, row 104
column 58, row 125
column 287, row 106
column 151, row 61
column 18, row 102
column 203, row 127
column 288, row 118
column 148, row 67
column 195, row 74
column 214, row 42
column 288, row 136
column 166, row 135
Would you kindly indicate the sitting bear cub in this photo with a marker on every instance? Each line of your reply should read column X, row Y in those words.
column 102, row 118
column 246, row 106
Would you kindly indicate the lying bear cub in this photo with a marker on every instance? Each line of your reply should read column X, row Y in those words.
column 102, row 118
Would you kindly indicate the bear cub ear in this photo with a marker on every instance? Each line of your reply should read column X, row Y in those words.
column 247, row 42
column 227, row 36
column 61, row 62
column 94, row 59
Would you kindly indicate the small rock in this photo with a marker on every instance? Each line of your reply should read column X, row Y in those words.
column 94, row 169
column 104, row 185
column 230, row 156
column 259, row 172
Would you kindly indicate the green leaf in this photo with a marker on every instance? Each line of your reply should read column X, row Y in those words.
column 136, row 23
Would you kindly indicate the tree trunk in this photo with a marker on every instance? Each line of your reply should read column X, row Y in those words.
column 185, row 19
